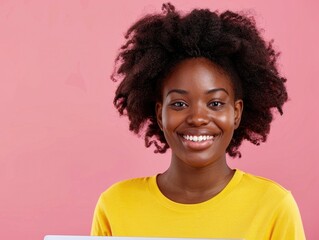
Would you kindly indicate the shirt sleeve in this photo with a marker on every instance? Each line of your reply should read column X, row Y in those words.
column 288, row 224
column 100, row 223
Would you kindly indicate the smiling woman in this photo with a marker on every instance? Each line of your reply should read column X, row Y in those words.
column 198, row 102
column 201, row 84
column 198, row 114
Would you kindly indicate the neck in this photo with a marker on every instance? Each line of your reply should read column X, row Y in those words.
column 187, row 184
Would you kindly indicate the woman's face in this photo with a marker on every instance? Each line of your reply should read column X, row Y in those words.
column 198, row 113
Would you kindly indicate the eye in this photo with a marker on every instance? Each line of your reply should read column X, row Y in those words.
column 216, row 104
column 178, row 105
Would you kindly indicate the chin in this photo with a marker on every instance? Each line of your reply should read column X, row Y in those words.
column 197, row 161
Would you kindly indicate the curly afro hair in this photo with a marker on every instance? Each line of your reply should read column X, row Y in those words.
column 157, row 42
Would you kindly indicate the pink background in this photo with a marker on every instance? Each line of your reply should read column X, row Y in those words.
column 61, row 141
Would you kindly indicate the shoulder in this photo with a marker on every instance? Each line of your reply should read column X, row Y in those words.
column 262, row 184
column 276, row 202
column 261, row 189
column 127, row 188
column 269, row 194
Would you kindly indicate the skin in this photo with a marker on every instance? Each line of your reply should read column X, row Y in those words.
column 197, row 100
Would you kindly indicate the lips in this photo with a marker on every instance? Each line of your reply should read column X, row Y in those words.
column 197, row 140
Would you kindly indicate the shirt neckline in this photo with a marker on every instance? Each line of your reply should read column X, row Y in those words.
column 153, row 187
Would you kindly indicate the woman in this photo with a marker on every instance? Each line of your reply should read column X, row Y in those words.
column 200, row 84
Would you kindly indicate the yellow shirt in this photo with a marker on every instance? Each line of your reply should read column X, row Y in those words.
column 249, row 207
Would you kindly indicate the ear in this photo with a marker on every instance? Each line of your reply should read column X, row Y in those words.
column 158, row 110
column 238, row 108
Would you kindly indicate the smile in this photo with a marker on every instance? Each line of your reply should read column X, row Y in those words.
column 196, row 138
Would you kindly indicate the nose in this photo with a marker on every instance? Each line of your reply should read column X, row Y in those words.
column 198, row 115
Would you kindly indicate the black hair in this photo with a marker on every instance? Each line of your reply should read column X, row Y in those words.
column 157, row 42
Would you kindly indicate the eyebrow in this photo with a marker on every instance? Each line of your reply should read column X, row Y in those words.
column 184, row 92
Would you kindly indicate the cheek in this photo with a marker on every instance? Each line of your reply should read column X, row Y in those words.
column 225, row 120
column 171, row 119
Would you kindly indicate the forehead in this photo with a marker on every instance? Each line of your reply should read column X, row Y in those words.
column 197, row 73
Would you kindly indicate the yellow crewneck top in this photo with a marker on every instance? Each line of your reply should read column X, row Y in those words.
column 249, row 207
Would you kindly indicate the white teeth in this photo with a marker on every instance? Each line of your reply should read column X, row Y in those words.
column 198, row 138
